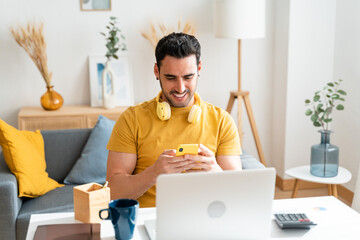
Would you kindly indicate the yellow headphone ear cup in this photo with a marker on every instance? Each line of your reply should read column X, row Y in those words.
column 194, row 114
column 163, row 111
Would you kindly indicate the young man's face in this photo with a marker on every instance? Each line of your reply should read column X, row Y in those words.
column 178, row 79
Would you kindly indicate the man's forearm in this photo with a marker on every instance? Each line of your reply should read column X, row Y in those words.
column 124, row 185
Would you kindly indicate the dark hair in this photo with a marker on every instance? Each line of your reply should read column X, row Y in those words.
column 177, row 45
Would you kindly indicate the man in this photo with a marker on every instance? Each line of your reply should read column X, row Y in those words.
column 143, row 142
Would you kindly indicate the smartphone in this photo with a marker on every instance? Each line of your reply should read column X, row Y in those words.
column 183, row 149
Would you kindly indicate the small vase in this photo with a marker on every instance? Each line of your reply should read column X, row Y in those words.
column 324, row 157
column 108, row 90
column 51, row 100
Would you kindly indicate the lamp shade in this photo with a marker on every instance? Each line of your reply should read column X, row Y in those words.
column 239, row 18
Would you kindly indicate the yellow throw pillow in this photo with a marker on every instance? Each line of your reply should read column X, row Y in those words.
column 24, row 154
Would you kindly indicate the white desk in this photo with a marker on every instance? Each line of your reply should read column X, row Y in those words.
column 303, row 173
column 335, row 220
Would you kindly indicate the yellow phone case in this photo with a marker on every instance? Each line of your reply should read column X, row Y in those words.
column 183, row 149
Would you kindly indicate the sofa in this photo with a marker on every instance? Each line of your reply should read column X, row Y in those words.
column 62, row 149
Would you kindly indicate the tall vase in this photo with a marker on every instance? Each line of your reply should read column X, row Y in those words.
column 108, row 90
column 51, row 100
column 324, row 157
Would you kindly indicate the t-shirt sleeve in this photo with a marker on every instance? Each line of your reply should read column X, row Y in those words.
column 229, row 141
column 123, row 137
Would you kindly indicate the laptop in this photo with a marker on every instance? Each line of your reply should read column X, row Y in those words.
column 218, row 205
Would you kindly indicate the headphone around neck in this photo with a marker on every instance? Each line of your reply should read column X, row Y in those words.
column 163, row 109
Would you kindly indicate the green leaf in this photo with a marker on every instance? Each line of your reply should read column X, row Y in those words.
column 327, row 120
column 328, row 110
column 342, row 92
column 308, row 112
column 341, row 99
column 329, row 89
column 340, row 107
column 116, row 57
column 317, row 92
column 316, row 98
column 330, row 84
column 335, row 96
column 317, row 124
column 307, row 101
column 314, row 117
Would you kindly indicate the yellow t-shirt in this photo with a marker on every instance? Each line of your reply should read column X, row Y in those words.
column 140, row 131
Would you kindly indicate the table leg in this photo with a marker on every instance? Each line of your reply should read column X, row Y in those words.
column 335, row 193
column 330, row 193
column 295, row 189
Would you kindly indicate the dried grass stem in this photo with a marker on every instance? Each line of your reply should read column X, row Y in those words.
column 32, row 40
column 153, row 37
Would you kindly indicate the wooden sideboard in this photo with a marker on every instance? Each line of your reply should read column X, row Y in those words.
column 77, row 116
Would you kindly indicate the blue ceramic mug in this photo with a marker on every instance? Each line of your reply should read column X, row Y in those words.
column 122, row 213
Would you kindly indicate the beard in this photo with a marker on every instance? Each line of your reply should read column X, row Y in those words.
column 172, row 102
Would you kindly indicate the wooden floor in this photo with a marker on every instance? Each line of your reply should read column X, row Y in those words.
column 316, row 192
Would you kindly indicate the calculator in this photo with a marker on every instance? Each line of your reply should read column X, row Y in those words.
column 293, row 220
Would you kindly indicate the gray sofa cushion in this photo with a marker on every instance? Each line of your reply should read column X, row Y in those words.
column 58, row 200
column 91, row 166
column 62, row 150
column 249, row 162
column 10, row 204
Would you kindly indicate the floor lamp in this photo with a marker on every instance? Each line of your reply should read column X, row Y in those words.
column 241, row 19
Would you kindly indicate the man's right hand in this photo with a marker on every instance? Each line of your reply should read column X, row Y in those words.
column 169, row 163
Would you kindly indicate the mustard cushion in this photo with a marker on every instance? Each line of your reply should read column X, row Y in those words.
column 24, row 154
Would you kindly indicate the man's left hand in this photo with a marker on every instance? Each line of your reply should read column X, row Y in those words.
column 205, row 161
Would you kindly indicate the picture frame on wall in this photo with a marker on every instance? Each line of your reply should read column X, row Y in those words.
column 95, row 5
column 122, row 83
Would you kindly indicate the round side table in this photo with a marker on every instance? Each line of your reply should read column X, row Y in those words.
column 303, row 173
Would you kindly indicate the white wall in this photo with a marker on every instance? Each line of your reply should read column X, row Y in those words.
column 279, row 85
column 310, row 67
column 304, row 44
column 346, row 124
column 257, row 77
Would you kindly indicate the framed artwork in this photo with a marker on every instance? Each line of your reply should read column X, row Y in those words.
column 122, row 83
column 95, row 5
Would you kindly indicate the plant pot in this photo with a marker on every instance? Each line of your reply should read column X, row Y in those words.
column 51, row 100
column 324, row 157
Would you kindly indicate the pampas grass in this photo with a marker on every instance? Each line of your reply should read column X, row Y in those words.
column 31, row 38
column 154, row 36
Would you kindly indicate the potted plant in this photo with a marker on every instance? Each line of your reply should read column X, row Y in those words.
column 325, row 156
column 114, row 39
column 31, row 39
column 114, row 42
